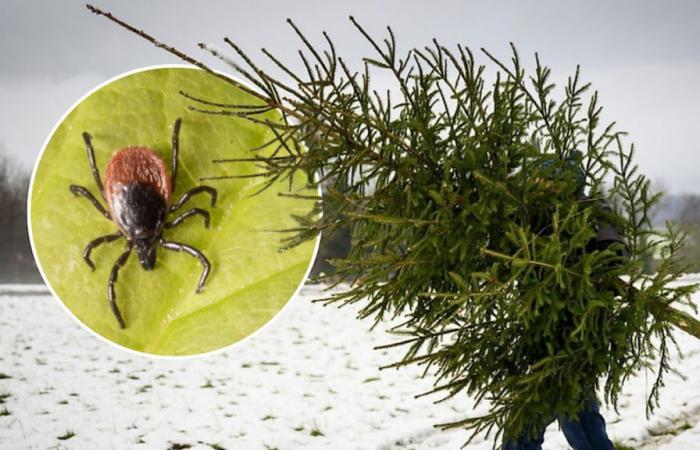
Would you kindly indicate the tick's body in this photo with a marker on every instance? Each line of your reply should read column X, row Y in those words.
column 138, row 189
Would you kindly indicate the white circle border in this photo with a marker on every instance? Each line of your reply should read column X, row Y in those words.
column 292, row 298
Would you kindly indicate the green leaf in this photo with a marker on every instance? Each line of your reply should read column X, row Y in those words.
column 250, row 281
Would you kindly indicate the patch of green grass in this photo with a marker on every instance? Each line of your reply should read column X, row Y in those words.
column 670, row 430
column 178, row 446
column 5, row 412
column 216, row 446
column 300, row 428
column 63, row 402
column 65, row 436
column 619, row 446
column 4, row 396
column 4, row 376
column 269, row 417
column 684, row 426
column 371, row 379
column 207, row 384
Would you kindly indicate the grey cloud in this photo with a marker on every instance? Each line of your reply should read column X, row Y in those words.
column 60, row 39
column 52, row 52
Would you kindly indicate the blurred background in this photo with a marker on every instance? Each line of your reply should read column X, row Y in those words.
column 642, row 57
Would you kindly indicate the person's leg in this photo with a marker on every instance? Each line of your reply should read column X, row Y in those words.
column 588, row 431
column 594, row 425
column 575, row 434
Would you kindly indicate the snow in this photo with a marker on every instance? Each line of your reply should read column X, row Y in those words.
column 22, row 289
column 309, row 380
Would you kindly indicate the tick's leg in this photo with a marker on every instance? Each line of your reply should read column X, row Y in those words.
column 99, row 241
column 195, row 190
column 190, row 212
column 178, row 247
column 112, row 279
column 80, row 190
column 176, row 150
column 91, row 158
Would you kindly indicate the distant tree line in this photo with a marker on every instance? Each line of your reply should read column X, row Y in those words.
column 688, row 220
column 334, row 245
column 16, row 261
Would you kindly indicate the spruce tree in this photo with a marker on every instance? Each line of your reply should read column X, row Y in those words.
column 467, row 226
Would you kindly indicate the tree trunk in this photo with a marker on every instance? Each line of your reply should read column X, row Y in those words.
column 680, row 319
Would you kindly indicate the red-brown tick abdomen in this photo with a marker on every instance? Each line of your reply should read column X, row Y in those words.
column 136, row 165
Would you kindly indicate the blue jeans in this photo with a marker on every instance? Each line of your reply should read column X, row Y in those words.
column 585, row 433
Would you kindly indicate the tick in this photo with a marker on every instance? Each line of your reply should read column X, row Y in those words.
column 137, row 190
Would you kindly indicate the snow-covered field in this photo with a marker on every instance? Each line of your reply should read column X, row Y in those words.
column 310, row 380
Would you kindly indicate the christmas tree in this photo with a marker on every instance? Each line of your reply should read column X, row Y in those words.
column 472, row 201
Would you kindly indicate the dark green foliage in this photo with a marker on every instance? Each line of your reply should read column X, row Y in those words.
column 464, row 235
column 460, row 232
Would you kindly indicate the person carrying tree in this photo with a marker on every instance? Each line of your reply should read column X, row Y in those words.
column 437, row 191
column 557, row 178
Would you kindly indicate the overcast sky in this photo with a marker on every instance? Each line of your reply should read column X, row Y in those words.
column 643, row 56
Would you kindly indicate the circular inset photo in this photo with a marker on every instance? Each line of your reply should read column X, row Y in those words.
column 138, row 235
